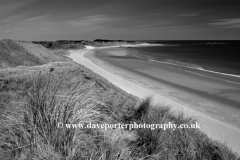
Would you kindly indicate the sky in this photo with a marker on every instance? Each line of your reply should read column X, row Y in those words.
column 33, row 20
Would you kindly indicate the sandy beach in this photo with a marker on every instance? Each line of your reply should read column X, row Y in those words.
column 128, row 73
column 208, row 94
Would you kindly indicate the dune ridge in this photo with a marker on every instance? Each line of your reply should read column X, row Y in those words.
column 17, row 53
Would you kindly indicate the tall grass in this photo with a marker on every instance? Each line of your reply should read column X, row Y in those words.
column 34, row 127
column 30, row 129
column 179, row 144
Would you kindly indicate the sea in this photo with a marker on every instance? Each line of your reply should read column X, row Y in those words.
column 220, row 59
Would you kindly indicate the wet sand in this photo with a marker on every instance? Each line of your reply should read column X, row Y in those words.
column 140, row 78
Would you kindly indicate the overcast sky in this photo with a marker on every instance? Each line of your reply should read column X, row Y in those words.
column 119, row 19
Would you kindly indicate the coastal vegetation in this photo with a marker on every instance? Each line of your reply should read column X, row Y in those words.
column 38, row 99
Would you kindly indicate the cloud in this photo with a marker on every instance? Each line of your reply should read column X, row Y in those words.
column 176, row 27
column 4, row 25
column 144, row 26
column 8, row 6
column 13, row 18
column 189, row 15
column 36, row 18
column 151, row 25
column 227, row 23
column 88, row 21
column 117, row 29
column 153, row 14
column 7, row 32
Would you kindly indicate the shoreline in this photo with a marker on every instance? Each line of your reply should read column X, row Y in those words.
column 199, row 93
column 125, row 45
column 214, row 128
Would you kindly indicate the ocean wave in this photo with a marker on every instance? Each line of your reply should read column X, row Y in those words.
column 177, row 63
column 226, row 74
column 194, row 67
column 143, row 45
column 210, row 77
column 204, row 75
column 184, row 64
column 187, row 65
column 87, row 47
column 139, row 56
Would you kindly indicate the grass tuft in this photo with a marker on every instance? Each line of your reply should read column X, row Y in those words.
column 181, row 143
column 31, row 131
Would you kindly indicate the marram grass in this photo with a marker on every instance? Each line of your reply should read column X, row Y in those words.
column 29, row 127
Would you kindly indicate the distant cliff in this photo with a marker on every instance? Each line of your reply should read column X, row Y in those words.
column 17, row 53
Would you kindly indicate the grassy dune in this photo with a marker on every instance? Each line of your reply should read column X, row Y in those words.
column 16, row 53
column 69, row 93
column 73, row 95
column 36, row 103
